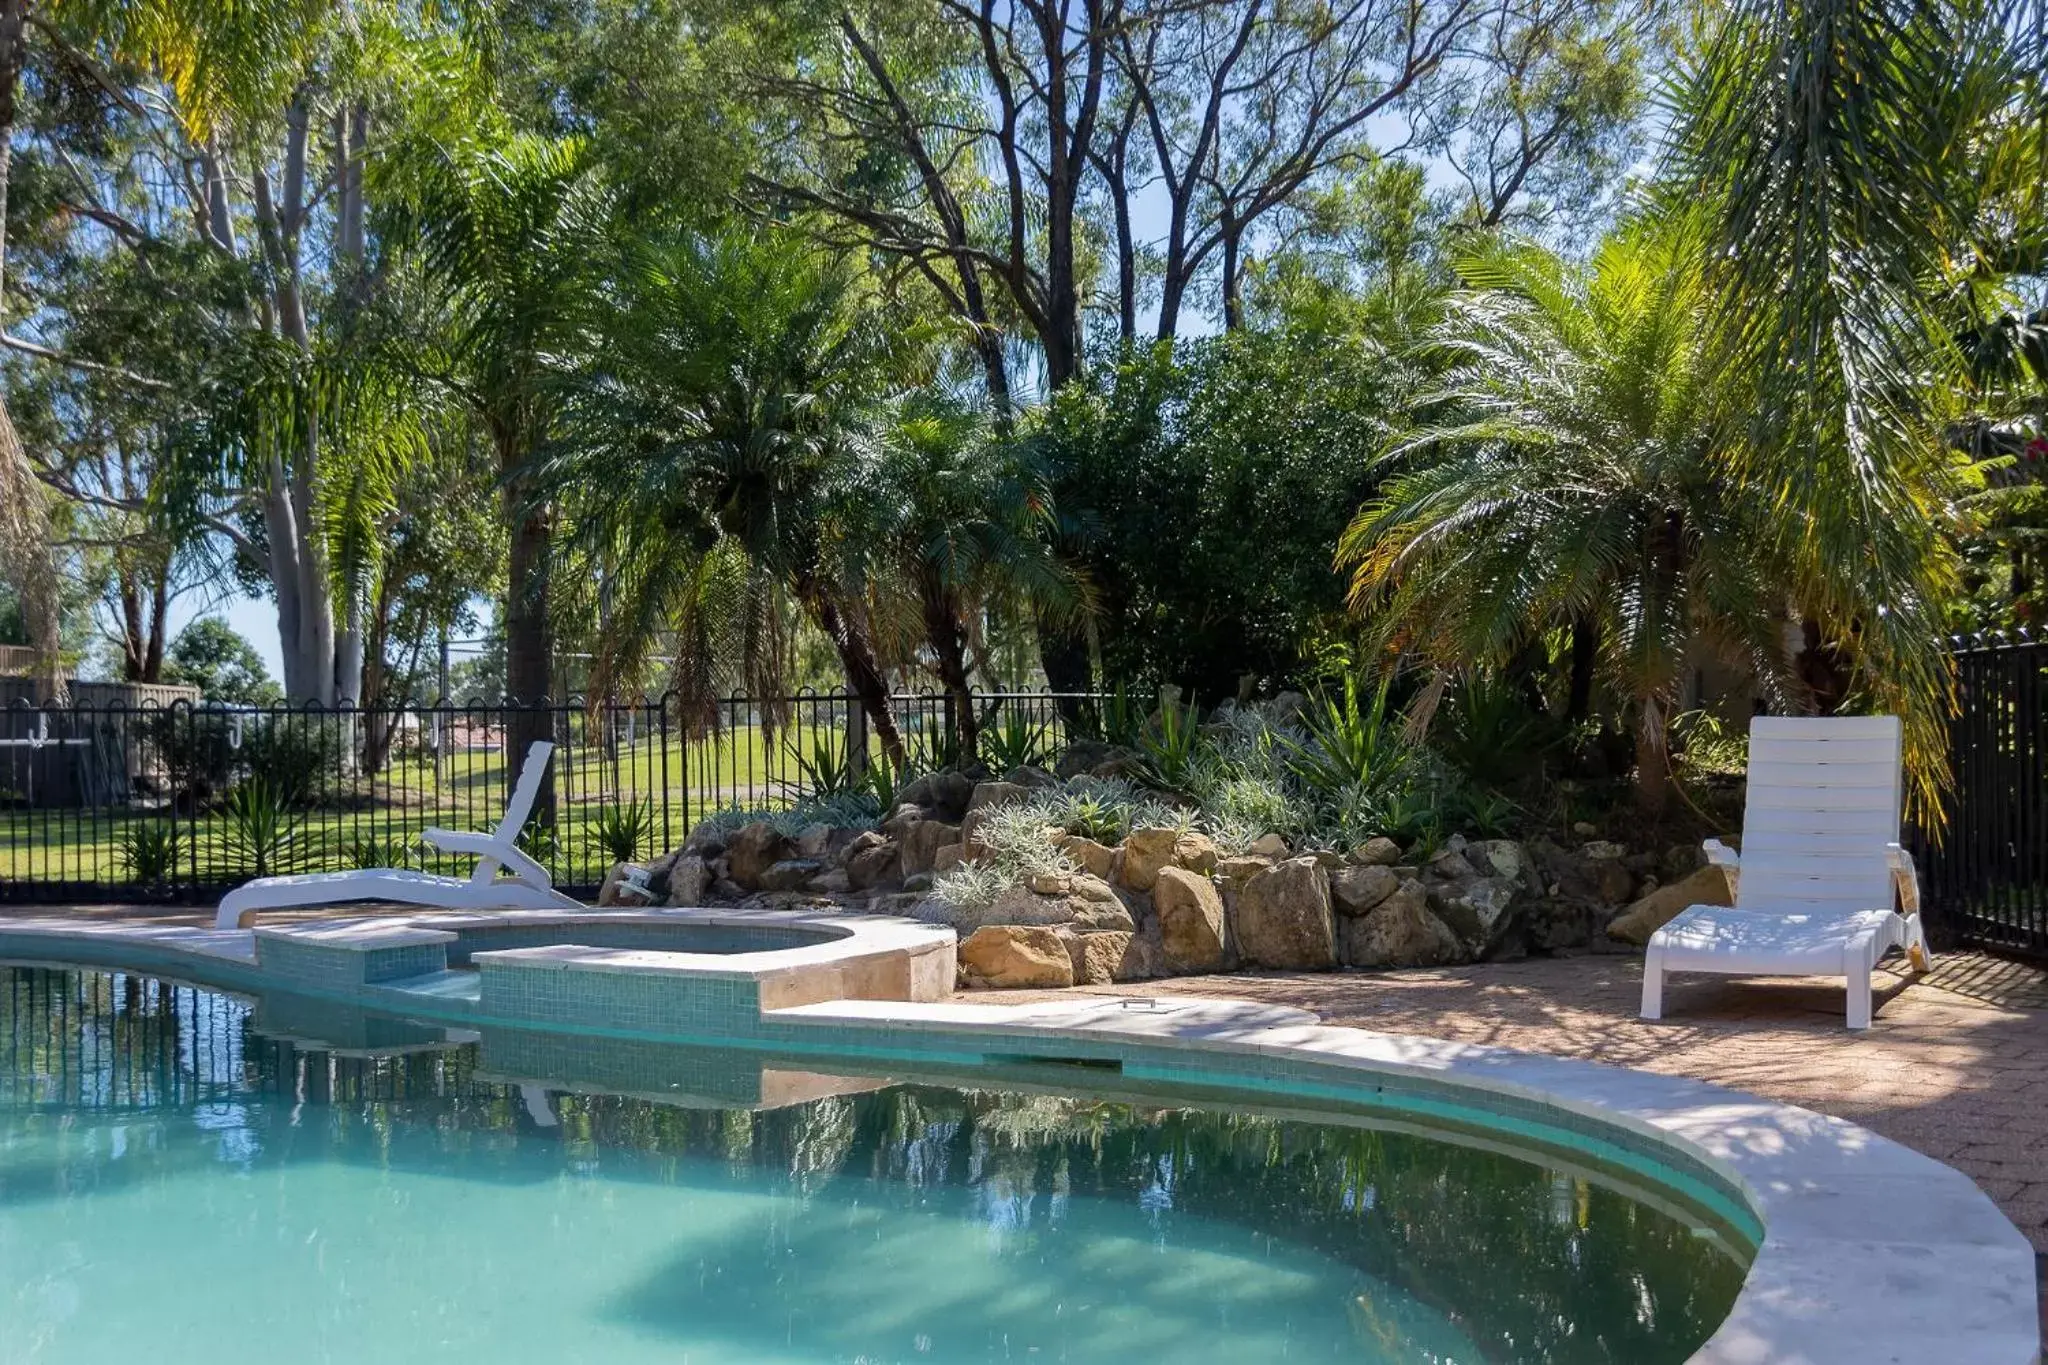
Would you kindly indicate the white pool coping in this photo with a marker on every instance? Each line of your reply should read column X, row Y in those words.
column 1873, row 1254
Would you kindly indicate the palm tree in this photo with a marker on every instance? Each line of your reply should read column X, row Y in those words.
column 962, row 522
column 709, row 444
column 1575, row 480
column 1839, row 151
column 514, row 236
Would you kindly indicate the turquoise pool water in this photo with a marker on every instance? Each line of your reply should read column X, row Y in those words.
column 180, row 1183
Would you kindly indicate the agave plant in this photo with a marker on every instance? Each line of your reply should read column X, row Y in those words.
column 150, row 853
column 263, row 832
column 1347, row 744
column 398, row 851
column 621, row 831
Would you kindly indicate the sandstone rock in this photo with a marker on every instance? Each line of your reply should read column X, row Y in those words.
column 1050, row 883
column 1190, row 920
column 1099, row 957
column 989, row 794
column 918, row 882
column 1022, row 905
column 752, row 850
column 1355, row 890
column 1378, row 851
column 1241, row 869
column 1093, row 856
column 1145, row 852
column 812, row 840
column 1328, row 859
column 941, row 795
column 1143, row 957
column 1451, row 866
column 1401, row 932
column 1476, row 909
column 1081, row 756
column 921, row 843
column 1025, row 775
column 1284, row 920
column 1016, row 956
column 1601, row 848
column 1582, row 828
column 865, row 840
column 1556, row 922
column 831, row 882
column 1708, row 886
column 617, row 889
column 1196, row 852
column 688, row 880
column 1272, row 846
column 1088, row 887
column 790, row 874
column 1498, row 858
column 948, row 857
column 726, row 889
column 872, row 865
column 1612, row 881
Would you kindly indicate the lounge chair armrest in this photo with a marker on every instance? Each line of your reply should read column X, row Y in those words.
column 1905, row 878
column 463, row 841
column 508, row 856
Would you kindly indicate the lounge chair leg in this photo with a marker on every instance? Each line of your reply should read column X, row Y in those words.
column 1859, row 985
column 1653, row 983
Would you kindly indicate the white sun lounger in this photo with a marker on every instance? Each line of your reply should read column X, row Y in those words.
column 527, row 887
column 1814, row 884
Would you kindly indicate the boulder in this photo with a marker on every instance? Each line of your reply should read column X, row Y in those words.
column 941, row 795
column 987, row 794
column 688, row 880
column 1552, row 923
column 1601, row 849
column 1613, row 883
column 1016, row 957
column 624, row 885
column 726, row 889
column 812, row 840
column 1241, row 869
column 948, row 857
column 1145, row 852
column 1378, row 851
column 1190, row 920
column 1400, row 932
column 1272, row 846
column 1356, row 890
column 1477, row 909
column 921, row 843
column 790, row 874
column 833, row 881
column 1451, row 866
column 918, row 882
column 1082, row 756
column 1050, row 883
column 873, row 865
column 1099, row 957
column 1079, row 908
column 1093, row 856
column 1708, row 886
column 1196, row 852
column 1025, row 775
column 1499, row 858
column 1284, row 920
column 752, row 850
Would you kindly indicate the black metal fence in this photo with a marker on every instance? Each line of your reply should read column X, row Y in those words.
column 183, row 802
column 1984, row 882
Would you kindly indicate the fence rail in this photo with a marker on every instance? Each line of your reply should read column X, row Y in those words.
column 182, row 802
column 1984, row 882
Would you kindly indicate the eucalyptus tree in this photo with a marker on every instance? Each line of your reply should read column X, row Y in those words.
column 1576, row 480
column 1840, row 149
column 724, row 405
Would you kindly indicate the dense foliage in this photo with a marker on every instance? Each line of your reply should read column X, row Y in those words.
column 1245, row 349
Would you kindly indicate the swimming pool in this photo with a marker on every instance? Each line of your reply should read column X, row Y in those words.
column 189, row 1174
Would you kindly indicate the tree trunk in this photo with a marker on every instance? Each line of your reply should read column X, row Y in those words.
column 1585, row 656
column 529, row 640
column 863, row 674
column 949, row 646
column 1653, row 758
column 1233, row 310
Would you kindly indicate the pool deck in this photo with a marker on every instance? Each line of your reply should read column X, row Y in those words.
column 1955, row 1066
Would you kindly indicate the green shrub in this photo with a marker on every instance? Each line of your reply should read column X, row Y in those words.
column 262, row 831
column 150, row 853
column 620, row 832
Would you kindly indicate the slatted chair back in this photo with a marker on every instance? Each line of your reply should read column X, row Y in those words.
column 1822, row 809
column 528, row 786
